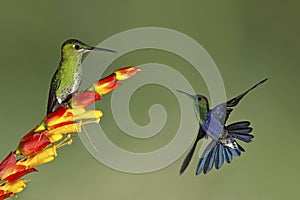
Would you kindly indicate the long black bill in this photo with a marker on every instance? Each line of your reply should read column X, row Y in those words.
column 102, row 49
column 189, row 95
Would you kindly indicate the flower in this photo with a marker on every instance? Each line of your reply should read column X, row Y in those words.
column 45, row 156
column 33, row 143
column 18, row 174
column 61, row 114
column 58, row 113
column 126, row 72
column 11, row 171
column 10, row 189
column 57, row 131
column 69, row 116
column 85, row 99
column 106, row 85
column 7, row 165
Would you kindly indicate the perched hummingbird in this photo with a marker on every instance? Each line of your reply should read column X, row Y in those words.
column 68, row 76
column 212, row 124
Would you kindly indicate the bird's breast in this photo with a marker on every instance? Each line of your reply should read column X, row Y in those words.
column 69, row 84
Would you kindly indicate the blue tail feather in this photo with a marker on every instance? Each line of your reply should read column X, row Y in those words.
column 240, row 147
column 210, row 160
column 227, row 155
column 240, row 131
column 219, row 156
column 235, row 152
column 205, row 156
column 215, row 154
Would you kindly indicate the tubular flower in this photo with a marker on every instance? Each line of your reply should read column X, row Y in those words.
column 126, row 72
column 7, row 165
column 33, row 143
column 106, row 85
column 14, row 177
column 85, row 99
column 69, row 116
column 54, row 116
column 4, row 194
column 11, row 170
column 45, row 156
column 56, row 134
column 10, row 189
column 57, row 125
column 62, row 114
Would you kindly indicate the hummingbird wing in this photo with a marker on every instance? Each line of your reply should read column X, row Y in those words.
column 223, row 110
column 233, row 102
column 189, row 156
column 52, row 99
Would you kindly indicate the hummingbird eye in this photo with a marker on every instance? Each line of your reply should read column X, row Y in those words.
column 77, row 47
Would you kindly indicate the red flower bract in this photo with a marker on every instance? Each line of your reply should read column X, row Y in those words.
column 85, row 99
column 126, row 72
column 55, row 115
column 4, row 196
column 32, row 143
column 12, row 178
column 10, row 171
column 8, row 164
column 106, row 84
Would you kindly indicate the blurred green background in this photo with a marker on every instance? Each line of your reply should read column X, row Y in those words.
column 248, row 41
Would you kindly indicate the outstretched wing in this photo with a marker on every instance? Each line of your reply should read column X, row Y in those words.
column 233, row 102
column 223, row 110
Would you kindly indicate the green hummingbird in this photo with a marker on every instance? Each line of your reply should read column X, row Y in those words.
column 68, row 76
column 223, row 145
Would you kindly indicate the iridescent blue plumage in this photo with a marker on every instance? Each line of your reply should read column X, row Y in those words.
column 223, row 146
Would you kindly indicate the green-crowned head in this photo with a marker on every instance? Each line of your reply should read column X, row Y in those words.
column 73, row 48
column 202, row 101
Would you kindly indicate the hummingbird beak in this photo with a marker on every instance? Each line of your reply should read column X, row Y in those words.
column 101, row 49
column 189, row 95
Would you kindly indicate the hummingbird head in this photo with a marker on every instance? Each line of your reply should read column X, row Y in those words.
column 75, row 48
column 202, row 101
column 198, row 99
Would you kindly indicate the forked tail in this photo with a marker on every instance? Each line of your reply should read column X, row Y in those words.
column 225, row 148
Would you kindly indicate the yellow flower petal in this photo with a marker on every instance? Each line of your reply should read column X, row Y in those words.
column 16, row 187
column 43, row 157
column 90, row 114
column 56, row 134
column 67, row 116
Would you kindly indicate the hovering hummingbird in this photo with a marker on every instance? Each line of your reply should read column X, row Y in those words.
column 68, row 76
column 223, row 145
